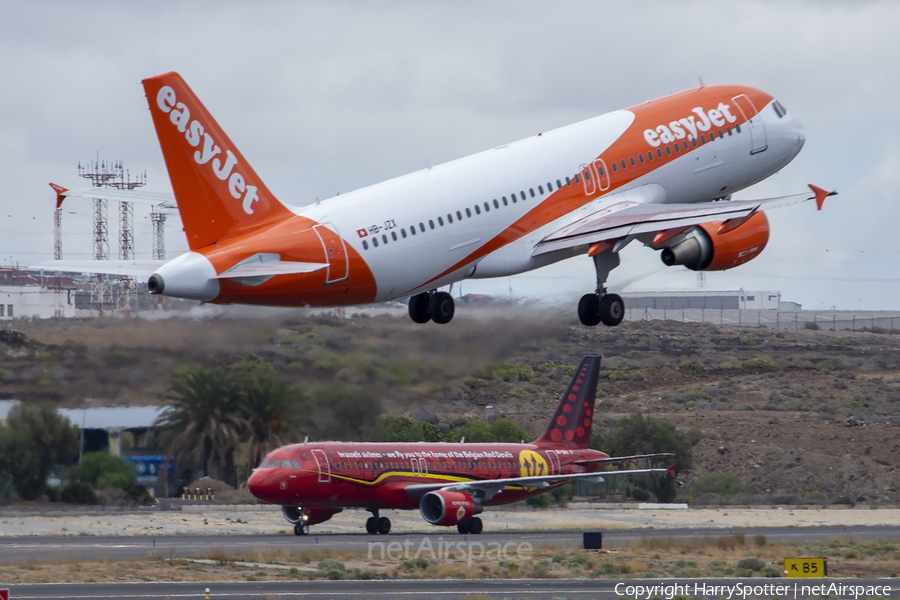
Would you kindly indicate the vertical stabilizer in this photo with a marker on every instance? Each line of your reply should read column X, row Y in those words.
column 570, row 426
column 219, row 195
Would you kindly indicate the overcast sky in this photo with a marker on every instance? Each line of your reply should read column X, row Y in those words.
column 331, row 96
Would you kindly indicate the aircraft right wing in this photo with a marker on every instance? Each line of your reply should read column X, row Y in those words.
column 629, row 218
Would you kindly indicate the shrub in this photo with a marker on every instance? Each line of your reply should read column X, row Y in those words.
column 759, row 362
column 475, row 382
column 506, row 372
column 811, row 325
column 725, row 484
column 78, row 493
column 752, row 563
column 400, row 428
column 331, row 568
column 691, row 366
column 639, row 493
column 103, row 470
column 539, row 501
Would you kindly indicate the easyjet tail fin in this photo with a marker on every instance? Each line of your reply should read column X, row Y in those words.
column 571, row 423
column 218, row 194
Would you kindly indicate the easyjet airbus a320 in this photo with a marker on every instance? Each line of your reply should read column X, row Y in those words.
column 448, row 483
column 662, row 173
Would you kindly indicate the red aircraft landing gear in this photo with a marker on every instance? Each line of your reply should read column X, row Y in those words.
column 432, row 306
column 601, row 307
column 473, row 526
column 377, row 525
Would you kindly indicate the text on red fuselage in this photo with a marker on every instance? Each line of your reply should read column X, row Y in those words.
column 193, row 131
column 702, row 120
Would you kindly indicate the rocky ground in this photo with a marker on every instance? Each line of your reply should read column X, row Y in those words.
column 799, row 416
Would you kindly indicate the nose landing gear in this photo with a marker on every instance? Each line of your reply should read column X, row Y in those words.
column 377, row 525
column 432, row 306
column 602, row 307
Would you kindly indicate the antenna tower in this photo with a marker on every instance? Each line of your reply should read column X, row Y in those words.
column 58, row 311
column 112, row 174
column 158, row 218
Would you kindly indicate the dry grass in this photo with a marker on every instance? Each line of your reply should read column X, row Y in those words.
column 651, row 557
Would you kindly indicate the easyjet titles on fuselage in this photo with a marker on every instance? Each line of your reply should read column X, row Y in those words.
column 666, row 134
column 193, row 131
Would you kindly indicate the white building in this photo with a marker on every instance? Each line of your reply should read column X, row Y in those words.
column 709, row 299
column 34, row 301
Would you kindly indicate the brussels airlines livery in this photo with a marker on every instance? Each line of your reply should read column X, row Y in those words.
column 661, row 173
column 448, row 483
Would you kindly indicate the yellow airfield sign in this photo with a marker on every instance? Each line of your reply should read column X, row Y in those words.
column 805, row 567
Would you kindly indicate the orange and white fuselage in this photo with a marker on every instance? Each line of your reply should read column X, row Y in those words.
column 646, row 173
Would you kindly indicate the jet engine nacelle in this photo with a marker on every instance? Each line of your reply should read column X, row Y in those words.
column 448, row 508
column 311, row 515
column 712, row 247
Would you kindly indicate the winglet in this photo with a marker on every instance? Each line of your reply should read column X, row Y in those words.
column 671, row 470
column 60, row 193
column 820, row 195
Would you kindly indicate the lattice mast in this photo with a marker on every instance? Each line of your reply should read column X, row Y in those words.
column 113, row 175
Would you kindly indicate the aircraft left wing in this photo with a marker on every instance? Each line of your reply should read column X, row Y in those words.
column 629, row 218
column 135, row 268
column 485, row 489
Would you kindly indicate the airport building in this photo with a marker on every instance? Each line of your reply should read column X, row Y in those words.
column 739, row 299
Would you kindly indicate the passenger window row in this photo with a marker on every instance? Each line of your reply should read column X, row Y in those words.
column 486, row 206
column 467, row 213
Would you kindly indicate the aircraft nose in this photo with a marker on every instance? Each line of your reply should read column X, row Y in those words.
column 261, row 484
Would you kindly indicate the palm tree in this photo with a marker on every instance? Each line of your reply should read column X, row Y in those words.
column 204, row 420
column 273, row 414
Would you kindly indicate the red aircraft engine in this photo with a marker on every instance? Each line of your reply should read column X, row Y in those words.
column 716, row 246
column 448, row 508
column 311, row 515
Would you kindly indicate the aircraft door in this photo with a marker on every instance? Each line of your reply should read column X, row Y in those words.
column 603, row 174
column 335, row 253
column 553, row 459
column 758, row 140
column 589, row 180
column 322, row 465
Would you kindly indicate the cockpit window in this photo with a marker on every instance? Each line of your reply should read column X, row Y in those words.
column 273, row 464
column 779, row 109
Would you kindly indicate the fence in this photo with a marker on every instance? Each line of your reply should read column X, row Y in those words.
column 886, row 322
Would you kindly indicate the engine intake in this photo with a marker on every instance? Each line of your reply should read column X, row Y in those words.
column 709, row 247
column 448, row 508
column 311, row 515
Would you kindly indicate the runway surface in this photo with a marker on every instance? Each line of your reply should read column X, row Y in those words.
column 426, row 588
column 178, row 546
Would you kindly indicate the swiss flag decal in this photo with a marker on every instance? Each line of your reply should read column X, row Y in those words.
column 362, row 233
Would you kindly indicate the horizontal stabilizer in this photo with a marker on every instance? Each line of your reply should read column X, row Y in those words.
column 134, row 268
column 617, row 459
column 137, row 197
column 270, row 269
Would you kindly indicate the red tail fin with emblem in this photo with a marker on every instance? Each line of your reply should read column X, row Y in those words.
column 219, row 195
column 571, row 423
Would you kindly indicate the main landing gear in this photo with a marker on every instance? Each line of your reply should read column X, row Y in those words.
column 301, row 529
column 602, row 307
column 432, row 306
column 473, row 526
column 376, row 524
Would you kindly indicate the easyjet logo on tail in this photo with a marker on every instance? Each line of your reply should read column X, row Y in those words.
column 195, row 133
column 702, row 120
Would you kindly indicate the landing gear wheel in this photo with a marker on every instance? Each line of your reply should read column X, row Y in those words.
column 463, row 528
column 383, row 526
column 475, row 525
column 418, row 308
column 612, row 309
column 441, row 307
column 371, row 525
column 301, row 529
column 589, row 310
